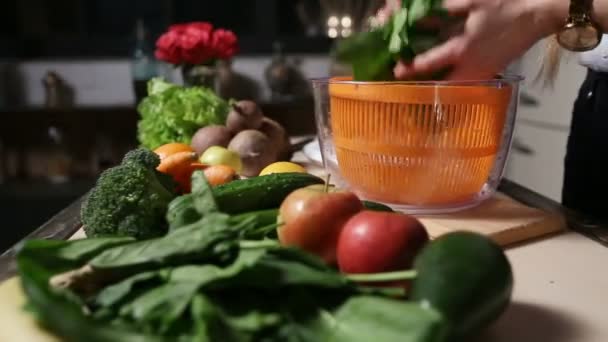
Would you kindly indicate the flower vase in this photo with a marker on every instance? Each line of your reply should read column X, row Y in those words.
column 199, row 76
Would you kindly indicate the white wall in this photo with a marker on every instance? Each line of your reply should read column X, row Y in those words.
column 108, row 82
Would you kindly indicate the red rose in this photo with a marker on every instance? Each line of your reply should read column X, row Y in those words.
column 195, row 46
column 225, row 43
column 195, row 43
column 199, row 26
column 168, row 49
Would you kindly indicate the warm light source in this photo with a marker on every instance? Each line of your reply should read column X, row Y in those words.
column 332, row 32
column 346, row 32
column 346, row 22
column 333, row 21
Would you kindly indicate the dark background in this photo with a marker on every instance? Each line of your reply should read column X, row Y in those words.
column 105, row 29
column 31, row 29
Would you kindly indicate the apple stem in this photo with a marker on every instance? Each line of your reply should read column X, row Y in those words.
column 326, row 189
column 383, row 277
column 248, row 244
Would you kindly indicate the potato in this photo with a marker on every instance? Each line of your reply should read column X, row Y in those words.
column 244, row 115
column 278, row 135
column 255, row 149
column 213, row 135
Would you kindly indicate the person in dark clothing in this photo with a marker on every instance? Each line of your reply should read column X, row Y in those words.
column 585, row 187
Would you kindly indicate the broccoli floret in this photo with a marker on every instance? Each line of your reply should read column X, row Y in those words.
column 130, row 199
column 150, row 159
column 142, row 156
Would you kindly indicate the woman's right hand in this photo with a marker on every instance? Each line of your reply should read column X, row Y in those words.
column 493, row 34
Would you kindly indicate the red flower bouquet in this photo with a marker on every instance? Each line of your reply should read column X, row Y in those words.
column 195, row 43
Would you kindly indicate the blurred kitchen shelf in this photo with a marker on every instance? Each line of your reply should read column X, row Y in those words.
column 36, row 190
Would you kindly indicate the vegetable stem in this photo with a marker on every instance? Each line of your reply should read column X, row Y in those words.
column 387, row 291
column 248, row 244
column 382, row 277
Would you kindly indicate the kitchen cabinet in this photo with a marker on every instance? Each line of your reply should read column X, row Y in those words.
column 543, row 124
column 553, row 103
column 537, row 158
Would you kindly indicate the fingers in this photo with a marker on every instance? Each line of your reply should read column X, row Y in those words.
column 462, row 73
column 458, row 6
column 438, row 57
column 402, row 71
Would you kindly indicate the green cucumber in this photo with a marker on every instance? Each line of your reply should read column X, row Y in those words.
column 467, row 278
column 259, row 193
column 369, row 205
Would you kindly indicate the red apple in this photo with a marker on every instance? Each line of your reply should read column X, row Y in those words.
column 312, row 219
column 375, row 242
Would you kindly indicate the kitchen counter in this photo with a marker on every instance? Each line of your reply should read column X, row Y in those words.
column 560, row 281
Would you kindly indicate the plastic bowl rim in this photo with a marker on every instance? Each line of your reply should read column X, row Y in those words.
column 504, row 78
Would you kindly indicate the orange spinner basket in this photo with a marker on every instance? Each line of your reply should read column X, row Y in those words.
column 417, row 144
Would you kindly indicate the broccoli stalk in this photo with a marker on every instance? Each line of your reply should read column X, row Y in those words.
column 130, row 199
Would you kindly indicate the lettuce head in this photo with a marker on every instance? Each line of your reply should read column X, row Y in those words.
column 172, row 113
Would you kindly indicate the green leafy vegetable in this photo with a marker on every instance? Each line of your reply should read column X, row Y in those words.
column 171, row 113
column 359, row 318
column 374, row 54
column 198, row 242
column 201, row 282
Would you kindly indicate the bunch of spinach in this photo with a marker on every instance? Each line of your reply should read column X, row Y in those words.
column 413, row 29
column 204, row 281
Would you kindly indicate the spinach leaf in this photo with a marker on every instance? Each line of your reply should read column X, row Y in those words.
column 368, row 54
column 399, row 37
column 418, row 9
column 211, row 324
column 115, row 293
column 374, row 54
column 181, row 212
column 69, row 253
column 161, row 307
column 204, row 202
column 281, row 267
column 190, row 208
column 64, row 318
column 207, row 274
column 209, row 239
column 366, row 318
column 263, row 269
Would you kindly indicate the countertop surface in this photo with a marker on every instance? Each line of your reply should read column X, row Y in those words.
column 560, row 280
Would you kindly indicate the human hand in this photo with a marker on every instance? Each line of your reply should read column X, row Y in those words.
column 492, row 35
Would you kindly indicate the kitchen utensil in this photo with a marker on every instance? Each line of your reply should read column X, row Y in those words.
column 417, row 146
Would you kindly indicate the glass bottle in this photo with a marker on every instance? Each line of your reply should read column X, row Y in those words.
column 143, row 64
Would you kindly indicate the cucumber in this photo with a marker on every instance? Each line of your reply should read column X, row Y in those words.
column 467, row 278
column 259, row 193
column 369, row 205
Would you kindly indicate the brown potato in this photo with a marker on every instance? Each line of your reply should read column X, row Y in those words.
column 255, row 149
column 244, row 115
column 278, row 135
column 208, row 136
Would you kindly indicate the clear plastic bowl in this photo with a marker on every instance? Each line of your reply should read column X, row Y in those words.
column 419, row 147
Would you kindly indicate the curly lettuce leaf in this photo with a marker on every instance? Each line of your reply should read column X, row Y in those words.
column 172, row 113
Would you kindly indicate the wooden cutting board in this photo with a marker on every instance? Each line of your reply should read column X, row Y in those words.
column 501, row 218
